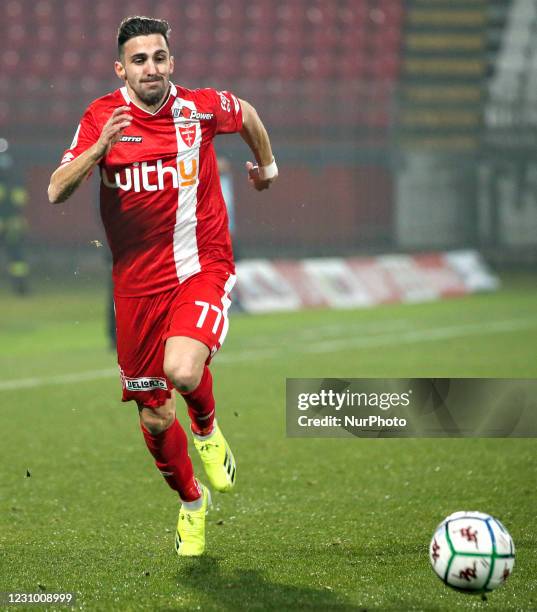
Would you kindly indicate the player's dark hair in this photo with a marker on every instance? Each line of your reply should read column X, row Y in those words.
column 141, row 26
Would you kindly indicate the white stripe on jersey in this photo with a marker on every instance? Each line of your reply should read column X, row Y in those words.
column 125, row 95
column 185, row 243
column 75, row 137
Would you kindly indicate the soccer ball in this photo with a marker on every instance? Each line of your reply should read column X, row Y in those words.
column 472, row 551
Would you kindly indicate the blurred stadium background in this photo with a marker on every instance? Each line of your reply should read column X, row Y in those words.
column 399, row 126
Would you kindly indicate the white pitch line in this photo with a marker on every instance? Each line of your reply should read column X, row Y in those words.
column 415, row 336
column 369, row 328
column 62, row 379
column 428, row 335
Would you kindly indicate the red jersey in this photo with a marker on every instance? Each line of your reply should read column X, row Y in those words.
column 161, row 202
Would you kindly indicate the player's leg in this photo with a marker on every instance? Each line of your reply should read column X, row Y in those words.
column 168, row 444
column 185, row 366
column 141, row 323
column 197, row 329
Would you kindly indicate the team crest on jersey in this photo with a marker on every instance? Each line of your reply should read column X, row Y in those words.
column 188, row 134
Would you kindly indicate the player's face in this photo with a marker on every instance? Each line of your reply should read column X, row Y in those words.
column 146, row 67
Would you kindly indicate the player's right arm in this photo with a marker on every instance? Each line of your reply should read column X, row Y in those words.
column 68, row 177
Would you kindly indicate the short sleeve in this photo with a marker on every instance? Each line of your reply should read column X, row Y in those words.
column 228, row 112
column 86, row 135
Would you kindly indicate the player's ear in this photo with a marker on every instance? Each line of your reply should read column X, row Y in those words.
column 172, row 64
column 119, row 70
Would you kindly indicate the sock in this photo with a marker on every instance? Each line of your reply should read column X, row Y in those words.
column 194, row 505
column 170, row 450
column 203, row 438
column 200, row 404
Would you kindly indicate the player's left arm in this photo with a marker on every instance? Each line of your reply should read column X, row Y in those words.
column 256, row 137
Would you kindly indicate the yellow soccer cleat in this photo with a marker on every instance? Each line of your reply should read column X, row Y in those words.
column 190, row 535
column 217, row 459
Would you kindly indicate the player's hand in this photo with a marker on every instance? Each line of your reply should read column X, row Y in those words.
column 255, row 180
column 113, row 129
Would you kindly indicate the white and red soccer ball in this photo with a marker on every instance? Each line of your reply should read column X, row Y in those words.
column 472, row 551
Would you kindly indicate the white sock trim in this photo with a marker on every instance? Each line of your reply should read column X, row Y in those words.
column 195, row 504
column 209, row 435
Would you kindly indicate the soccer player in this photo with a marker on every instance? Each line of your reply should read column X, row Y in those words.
column 166, row 223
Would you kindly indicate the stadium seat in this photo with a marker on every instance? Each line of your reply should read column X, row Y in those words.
column 259, row 38
column 351, row 66
column 261, row 14
column 289, row 38
column 32, row 85
column 224, row 65
column 60, row 113
column 272, row 45
column 10, row 62
column 323, row 39
column 287, row 66
column 89, row 84
column 199, row 39
column 224, row 37
column 77, row 37
column 393, row 11
column 193, row 66
column 16, row 37
column 44, row 11
column 229, row 12
column 383, row 66
column 42, row 64
column 355, row 14
column 352, row 40
column 13, row 10
column 99, row 64
column 255, row 66
column 62, row 86
column 47, row 37
column 321, row 66
column 106, row 16
column 198, row 13
column 70, row 63
column 75, row 12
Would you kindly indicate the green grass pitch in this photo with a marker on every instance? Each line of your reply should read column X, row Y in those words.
column 339, row 524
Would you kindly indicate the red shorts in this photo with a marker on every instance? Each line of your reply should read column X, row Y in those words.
column 197, row 308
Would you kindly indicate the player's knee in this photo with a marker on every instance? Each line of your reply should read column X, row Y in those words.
column 185, row 377
column 157, row 421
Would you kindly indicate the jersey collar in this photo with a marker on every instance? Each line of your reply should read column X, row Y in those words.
column 171, row 96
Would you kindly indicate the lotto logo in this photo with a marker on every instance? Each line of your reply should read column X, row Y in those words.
column 147, row 176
